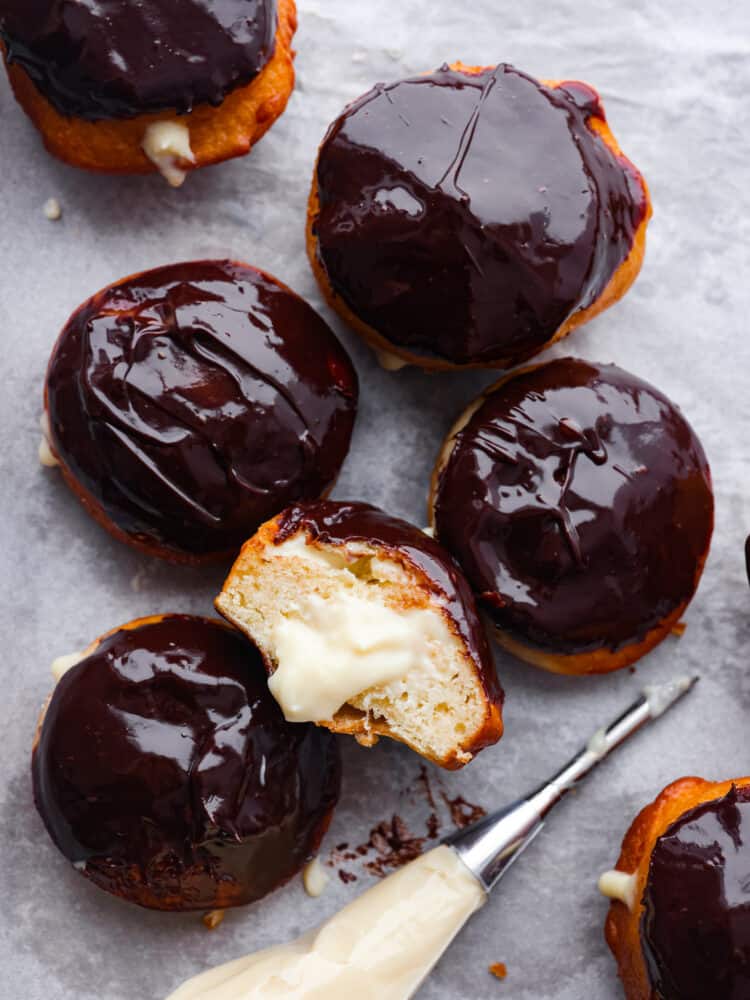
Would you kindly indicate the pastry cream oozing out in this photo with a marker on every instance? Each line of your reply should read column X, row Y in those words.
column 315, row 878
column 379, row 947
column 391, row 362
column 329, row 650
column 166, row 144
column 46, row 456
column 619, row 886
column 62, row 664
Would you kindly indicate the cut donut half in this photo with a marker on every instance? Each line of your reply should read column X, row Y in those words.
column 367, row 627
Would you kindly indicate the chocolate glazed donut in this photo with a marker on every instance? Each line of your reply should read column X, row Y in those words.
column 469, row 217
column 190, row 403
column 96, row 77
column 578, row 501
column 684, row 931
column 166, row 773
column 119, row 59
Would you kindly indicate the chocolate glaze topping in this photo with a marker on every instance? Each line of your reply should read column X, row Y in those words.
column 466, row 216
column 98, row 59
column 167, row 774
column 578, row 501
column 332, row 522
column 695, row 929
column 195, row 401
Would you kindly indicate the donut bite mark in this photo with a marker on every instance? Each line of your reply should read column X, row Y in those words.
column 682, row 929
column 188, row 404
column 166, row 774
column 473, row 216
column 577, row 499
column 367, row 627
column 96, row 112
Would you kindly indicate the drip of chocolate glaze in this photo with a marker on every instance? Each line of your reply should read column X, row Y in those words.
column 99, row 59
column 195, row 401
column 695, row 928
column 166, row 773
column 338, row 523
column 466, row 216
column 578, row 501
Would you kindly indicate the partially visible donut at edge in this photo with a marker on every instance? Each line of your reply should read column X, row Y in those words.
column 136, row 87
column 473, row 216
column 679, row 920
column 189, row 403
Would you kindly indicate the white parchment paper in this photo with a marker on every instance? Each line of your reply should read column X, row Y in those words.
column 674, row 76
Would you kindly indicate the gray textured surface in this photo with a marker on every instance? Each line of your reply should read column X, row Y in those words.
column 674, row 77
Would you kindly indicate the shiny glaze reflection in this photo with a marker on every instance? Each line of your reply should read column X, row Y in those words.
column 167, row 774
column 578, row 501
column 465, row 217
column 338, row 523
column 696, row 924
column 195, row 401
column 97, row 59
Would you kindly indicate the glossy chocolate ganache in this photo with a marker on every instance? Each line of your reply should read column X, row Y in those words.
column 465, row 216
column 695, row 929
column 333, row 522
column 578, row 501
column 167, row 774
column 195, row 401
column 97, row 59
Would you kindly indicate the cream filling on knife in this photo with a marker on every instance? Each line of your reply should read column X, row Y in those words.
column 380, row 947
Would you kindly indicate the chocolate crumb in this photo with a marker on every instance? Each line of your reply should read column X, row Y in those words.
column 347, row 877
column 499, row 970
column 394, row 844
column 463, row 813
column 423, row 779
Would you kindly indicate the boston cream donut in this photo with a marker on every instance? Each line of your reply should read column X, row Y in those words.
column 472, row 216
column 367, row 626
column 132, row 87
column 577, row 499
column 679, row 923
column 188, row 404
column 165, row 772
